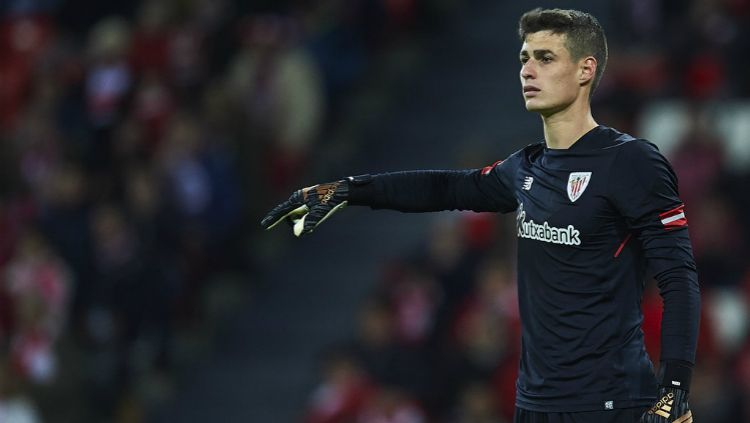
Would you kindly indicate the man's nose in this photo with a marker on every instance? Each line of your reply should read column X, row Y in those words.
column 527, row 71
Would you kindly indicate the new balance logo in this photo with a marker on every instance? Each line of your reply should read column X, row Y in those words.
column 527, row 183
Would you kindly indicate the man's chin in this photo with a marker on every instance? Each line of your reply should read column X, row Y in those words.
column 533, row 106
column 542, row 109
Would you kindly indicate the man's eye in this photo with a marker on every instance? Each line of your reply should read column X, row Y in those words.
column 524, row 60
column 546, row 59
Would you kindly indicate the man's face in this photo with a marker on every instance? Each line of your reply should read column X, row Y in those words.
column 549, row 76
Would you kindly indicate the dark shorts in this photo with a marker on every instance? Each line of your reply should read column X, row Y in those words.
column 624, row 415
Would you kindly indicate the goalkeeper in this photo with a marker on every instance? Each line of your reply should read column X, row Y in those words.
column 597, row 212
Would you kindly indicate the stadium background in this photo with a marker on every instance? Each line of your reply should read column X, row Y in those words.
column 142, row 142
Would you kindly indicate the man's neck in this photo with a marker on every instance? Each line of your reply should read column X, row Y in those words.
column 564, row 128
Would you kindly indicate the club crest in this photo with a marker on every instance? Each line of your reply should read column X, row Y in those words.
column 577, row 183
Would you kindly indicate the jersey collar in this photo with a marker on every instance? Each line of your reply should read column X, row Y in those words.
column 585, row 143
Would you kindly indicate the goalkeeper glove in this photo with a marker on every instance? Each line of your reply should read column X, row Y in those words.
column 309, row 207
column 671, row 406
column 672, row 403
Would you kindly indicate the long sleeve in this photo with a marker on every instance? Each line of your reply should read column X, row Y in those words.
column 483, row 190
column 645, row 192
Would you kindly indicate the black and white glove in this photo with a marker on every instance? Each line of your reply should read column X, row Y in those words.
column 672, row 401
column 309, row 207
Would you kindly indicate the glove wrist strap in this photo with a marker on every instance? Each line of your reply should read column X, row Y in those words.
column 675, row 374
column 360, row 179
column 361, row 190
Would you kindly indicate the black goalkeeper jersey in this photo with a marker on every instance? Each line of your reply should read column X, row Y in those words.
column 593, row 222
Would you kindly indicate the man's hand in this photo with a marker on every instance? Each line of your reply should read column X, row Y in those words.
column 309, row 207
column 671, row 406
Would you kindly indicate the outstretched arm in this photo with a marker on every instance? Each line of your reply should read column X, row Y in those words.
column 487, row 189
column 480, row 190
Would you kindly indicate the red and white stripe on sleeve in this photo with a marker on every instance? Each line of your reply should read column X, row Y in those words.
column 487, row 169
column 674, row 218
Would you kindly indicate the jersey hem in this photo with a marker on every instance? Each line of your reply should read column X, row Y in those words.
column 574, row 408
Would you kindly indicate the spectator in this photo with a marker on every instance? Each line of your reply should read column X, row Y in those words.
column 38, row 285
column 343, row 394
column 278, row 87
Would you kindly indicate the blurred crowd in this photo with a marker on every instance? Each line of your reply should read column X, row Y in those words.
column 438, row 339
column 139, row 143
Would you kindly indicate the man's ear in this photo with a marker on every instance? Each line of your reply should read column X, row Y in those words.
column 587, row 70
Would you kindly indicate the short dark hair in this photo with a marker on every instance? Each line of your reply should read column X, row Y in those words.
column 584, row 35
